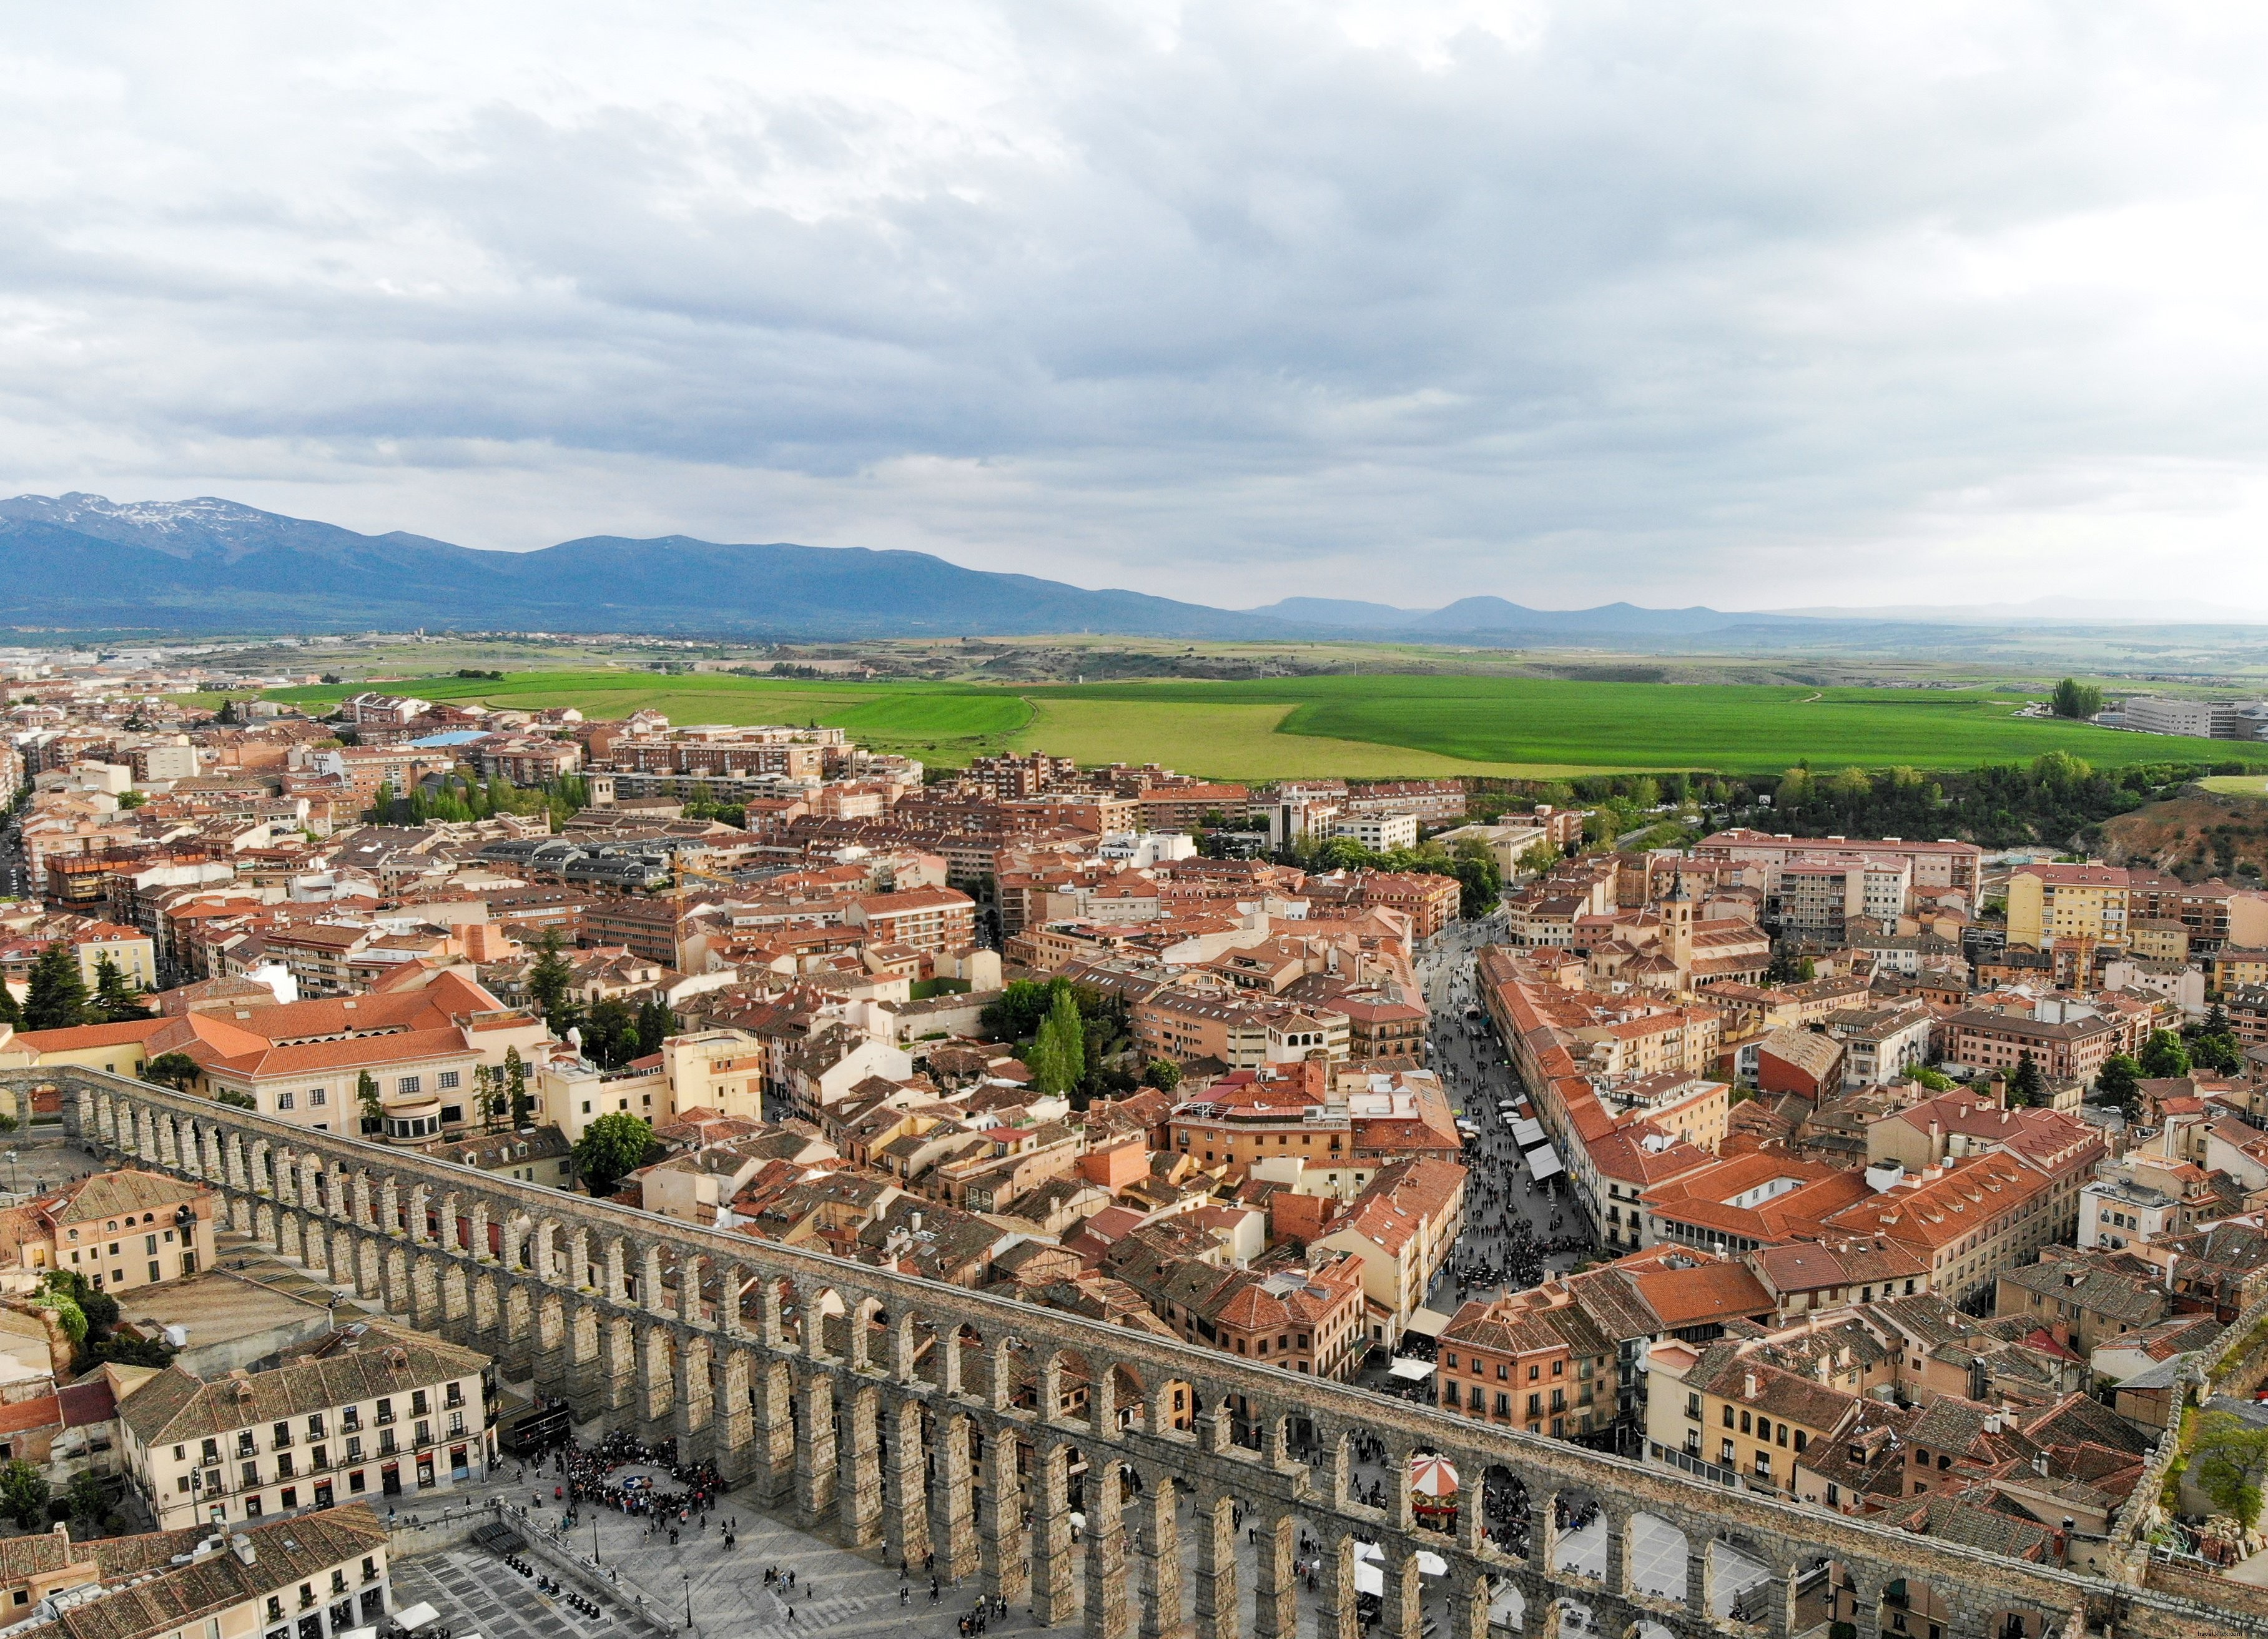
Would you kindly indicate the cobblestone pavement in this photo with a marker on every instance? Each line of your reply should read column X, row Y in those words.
column 476, row 1592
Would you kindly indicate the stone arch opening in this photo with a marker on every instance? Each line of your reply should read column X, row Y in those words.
column 1911, row 1608
column 1508, row 1607
column 1067, row 1378
column 1506, row 1520
column 1825, row 1594
column 1740, row 1576
column 1570, row 1617
column 1647, row 1627
column 1127, row 1396
column 1579, row 1535
column 1658, row 1553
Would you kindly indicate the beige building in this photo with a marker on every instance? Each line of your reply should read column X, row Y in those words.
column 2066, row 905
column 368, row 1412
column 121, row 1230
column 719, row 1069
column 299, row 1579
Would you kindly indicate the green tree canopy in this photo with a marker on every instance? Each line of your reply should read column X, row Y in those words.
column 24, row 1494
column 2163, row 1055
column 515, row 1087
column 175, row 1070
column 1162, row 1073
column 56, row 998
column 2076, row 699
column 548, row 981
column 610, row 1147
column 1059, row 1057
column 2120, row 1082
column 2027, row 1087
column 117, row 998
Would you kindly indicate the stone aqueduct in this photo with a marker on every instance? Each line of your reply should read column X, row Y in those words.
column 909, row 1417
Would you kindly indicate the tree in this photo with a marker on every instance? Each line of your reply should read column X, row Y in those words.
column 239, row 1100
column 57, row 998
column 2120, row 1082
column 10, row 1014
column 2076, row 699
column 1162, row 1073
column 1061, row 1047
column 24, row 1494
column 547, row 982
column 175, row 1070
column 488, row 1097
column 89, row 1500
column 2163, row 1055
column 117, row 998
column 1479, row 876
column 655, row 1024
column 372, row 1106
column 611, row 1147
column 1022, row 1008
column 515, row 1087
column 2028, row 1085
column 1936, row 1081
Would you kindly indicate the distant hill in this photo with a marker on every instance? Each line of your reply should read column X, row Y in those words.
column 213, row 566
column 1342, row 612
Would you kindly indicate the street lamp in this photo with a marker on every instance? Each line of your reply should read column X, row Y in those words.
column 595, row 1536
column 688, row 1599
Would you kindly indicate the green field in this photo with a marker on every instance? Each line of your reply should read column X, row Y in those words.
column 1372, row 726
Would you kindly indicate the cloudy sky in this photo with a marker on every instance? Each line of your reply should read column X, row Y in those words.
column 1757, row 307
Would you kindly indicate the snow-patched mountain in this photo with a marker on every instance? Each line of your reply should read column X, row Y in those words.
column 209, row 564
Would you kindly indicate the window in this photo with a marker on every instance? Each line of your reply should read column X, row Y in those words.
column 283, row 1101
column 408, row 1084
column 449, row 1079
column 317, row 1098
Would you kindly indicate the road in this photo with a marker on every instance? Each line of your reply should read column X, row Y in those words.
column 1472, row 1066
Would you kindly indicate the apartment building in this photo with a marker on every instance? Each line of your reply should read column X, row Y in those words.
column 1306, row 1318
column 2070, row 1049
column 1545, row 1366
column 368, row 1412
column 1380, row 832
column 121, row 1230
column 1944, row 864
column 2067, row 904
column 921, row 919
column 1973, row 1220
column 287, row 1579
column 1817, row 894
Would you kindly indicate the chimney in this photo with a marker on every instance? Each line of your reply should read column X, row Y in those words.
column 1751, row 1387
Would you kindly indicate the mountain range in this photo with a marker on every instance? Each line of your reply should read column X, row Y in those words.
column 81, row 562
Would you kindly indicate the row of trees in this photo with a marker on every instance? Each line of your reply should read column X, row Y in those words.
column 56, row 996
column 1475, row 867
column 458, row 798
column 2056, row 798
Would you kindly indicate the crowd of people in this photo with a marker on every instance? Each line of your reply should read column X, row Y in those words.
column 618, row 1473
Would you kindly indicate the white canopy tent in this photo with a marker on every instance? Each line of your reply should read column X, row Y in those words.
column 1410, row 1371
column 1543, row 1164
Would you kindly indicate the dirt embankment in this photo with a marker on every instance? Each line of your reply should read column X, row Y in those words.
column 2194, row 836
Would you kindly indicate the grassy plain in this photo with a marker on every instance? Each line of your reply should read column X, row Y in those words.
column 1377, row 725
column 2237, row 785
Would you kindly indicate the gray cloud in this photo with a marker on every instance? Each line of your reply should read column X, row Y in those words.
column 1752, row 306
